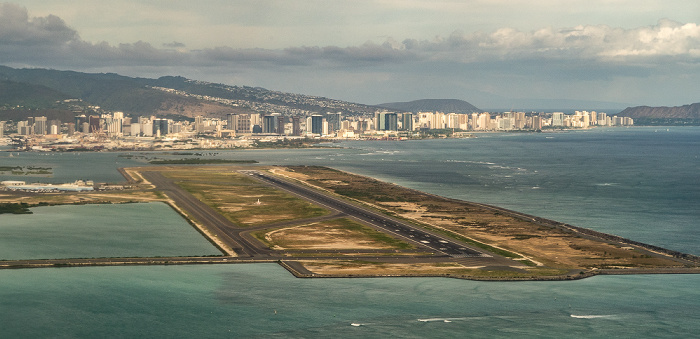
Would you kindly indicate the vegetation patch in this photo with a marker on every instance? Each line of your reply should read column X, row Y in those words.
column 12, row 208
column 27, row 170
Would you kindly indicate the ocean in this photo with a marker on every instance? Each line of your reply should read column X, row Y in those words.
column 639, row 183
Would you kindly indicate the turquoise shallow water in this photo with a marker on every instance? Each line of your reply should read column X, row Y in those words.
column 263, row 300
column 96, row 231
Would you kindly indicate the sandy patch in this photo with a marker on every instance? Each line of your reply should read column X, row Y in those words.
column 321, row 237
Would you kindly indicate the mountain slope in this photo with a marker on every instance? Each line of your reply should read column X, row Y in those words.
column 429, row 105
column 110, row 91
column 176, row 95
column 691, row 111
column 13, row 94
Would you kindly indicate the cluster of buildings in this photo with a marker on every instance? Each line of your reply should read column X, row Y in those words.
column 77, row 186
column 115, row 130
column 517, row 121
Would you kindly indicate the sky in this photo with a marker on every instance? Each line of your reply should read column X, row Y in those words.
column 520, row 54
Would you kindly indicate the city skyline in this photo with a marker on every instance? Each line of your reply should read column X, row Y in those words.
column 491, row 53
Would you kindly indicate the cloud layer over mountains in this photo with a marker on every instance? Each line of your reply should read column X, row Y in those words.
column 584, row 53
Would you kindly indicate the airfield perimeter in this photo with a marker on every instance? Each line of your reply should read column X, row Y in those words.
column 321, row 222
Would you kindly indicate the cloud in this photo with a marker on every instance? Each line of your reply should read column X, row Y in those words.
column 174, row 44
column 541, row 62
column 667, row 39
column 31, row 39
column 16, row 28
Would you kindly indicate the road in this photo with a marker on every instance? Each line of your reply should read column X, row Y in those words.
column 390, row 225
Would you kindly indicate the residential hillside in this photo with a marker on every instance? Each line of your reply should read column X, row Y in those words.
column 166, row 96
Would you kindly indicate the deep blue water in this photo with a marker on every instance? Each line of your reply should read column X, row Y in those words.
column 641, row 183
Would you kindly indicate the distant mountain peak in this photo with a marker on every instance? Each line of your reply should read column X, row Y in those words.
column 691, row 111
column 431, row 105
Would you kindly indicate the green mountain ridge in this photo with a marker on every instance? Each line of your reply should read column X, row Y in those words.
column 142, row 96
column 433, row 105
column 13, row 94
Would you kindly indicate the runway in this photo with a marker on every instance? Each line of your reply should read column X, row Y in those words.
column 396, row 227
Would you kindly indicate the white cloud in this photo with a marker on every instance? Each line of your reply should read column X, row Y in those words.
column 16, row 28
column 592, row 42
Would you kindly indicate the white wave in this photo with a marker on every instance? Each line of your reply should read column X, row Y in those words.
column 471, row 162
column 358, row 324
column 444, row 320
column 607, row 184
column 591, row 316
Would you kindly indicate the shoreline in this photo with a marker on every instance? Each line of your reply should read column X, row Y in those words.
column 294, row 268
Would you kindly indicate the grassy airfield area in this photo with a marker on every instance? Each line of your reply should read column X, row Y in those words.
column 322, row 243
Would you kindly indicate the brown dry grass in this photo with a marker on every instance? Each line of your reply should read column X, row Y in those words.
column 550, row 246
column 339, row 234
column 365, row 268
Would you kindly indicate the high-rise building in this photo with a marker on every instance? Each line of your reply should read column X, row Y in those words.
column 54, row 127
column 602, row 119
column 135, row 129
column 80, row 119
column 407, row 121
column 40, row 125
column 557, row 119
column 296, row 126
column 113, row 123
column 537, row 122
column 474, row 121
column 269, row 124
column 519, row 120
column 241, row 123
column 385, row 121
column 280, row 124
column 484, row 121
column 2, row 129
column 199, row 124
column 391, row 122
column 94, row 122
column 333, row 121
column 317, row 124
column 160, row 127
column 230, row 121
column 24, row 128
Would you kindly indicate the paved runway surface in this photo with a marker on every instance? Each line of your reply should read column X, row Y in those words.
column 387, row 224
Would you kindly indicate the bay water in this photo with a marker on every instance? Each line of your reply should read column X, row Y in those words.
column 640, row 183
column 100, row 231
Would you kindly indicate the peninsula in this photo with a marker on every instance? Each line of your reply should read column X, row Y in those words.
column 321, row 222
